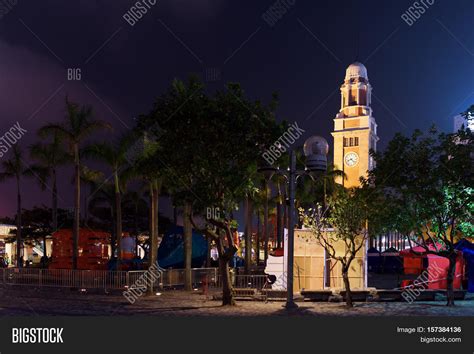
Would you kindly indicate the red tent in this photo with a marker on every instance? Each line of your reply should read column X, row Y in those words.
column 93, row 249
column 436, row 267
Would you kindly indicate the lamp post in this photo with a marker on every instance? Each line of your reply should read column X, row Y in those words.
column 315, row 150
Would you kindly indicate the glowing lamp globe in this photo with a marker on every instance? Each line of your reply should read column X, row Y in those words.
column 316, row 149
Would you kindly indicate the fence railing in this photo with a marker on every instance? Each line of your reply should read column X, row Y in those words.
column 66, row 278
column 119, row 280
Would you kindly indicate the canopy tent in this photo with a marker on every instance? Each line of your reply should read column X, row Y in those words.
column 467, row 249
column 391, row 261
column 373, row 260
column 416, row 261
column 93, row 249
column 171, row 250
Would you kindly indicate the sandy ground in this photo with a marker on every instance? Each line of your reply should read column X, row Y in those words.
column 64, row 302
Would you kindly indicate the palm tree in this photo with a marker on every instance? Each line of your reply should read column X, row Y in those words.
column 148, row 168
column 91, row 179
column 115, row 156
column 135, row 205
column 49, row 157
column 327, row 182
column 78, row 126
column 101, row 205
column 16, row 168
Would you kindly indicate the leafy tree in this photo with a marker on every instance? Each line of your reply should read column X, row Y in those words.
column 207, row 164
column 79, row 125
column 344, row 221
column 115, row 156
column 428, row 183
column 101, row 206
column 48, row 157
column 135, row 210
column 36, row 228
column 16, row 168
column 7, row 220
column 172, row 125
column 146, row 166
column 469, row 114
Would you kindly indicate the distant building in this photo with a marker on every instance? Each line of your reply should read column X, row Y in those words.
column 6, row 249
column 459, row 121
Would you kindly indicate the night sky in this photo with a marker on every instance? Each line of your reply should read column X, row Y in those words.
column 421, row 74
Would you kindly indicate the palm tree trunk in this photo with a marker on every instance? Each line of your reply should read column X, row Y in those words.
column 19, row 258
column 77, row 207
column 54, row 210
column 188, row 246
column 248, row 234
column 279, row 217
column 258, row 237
column 54, row 204
column 175, row 215
column 156, row 200
column 135, row 227
column 265, row 225
column 113, row 232
column 118, row 220
column 325, row 194
column 153, row 250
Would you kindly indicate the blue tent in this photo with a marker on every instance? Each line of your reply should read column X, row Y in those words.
column 391, row 261
column 374, row 260
column 467, row 249
column 171, row 250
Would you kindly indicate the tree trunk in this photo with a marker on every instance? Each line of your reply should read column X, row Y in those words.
column 54, row 210
column 113, row 233
column 77, row 206
column 265, row 225
column 175, row 215
column 208, row 255
column 151, row 254
column 153, row 250
column 227, row 289
column 135, row 227
column 188, row 246
column 19, row 258
column 44, row 258
column 347, row 286
column 258, row 237
column 279, row 224
column 118, row 220
column 450, row 280
column 248, row 234
column 54, row 204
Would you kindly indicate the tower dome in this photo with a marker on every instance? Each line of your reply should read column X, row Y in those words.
column 356, row 70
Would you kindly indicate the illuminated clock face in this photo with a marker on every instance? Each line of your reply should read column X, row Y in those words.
column 351, row 159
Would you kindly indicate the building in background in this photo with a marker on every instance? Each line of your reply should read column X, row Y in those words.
column 7, row 250
column 355, row 129
column 459, row 121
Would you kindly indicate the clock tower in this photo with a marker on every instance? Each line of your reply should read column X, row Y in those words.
column 355, row 129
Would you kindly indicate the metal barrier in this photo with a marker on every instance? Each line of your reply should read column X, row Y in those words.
column 83, row 279
column 257, row 282
column 175, row 278
column 119, row 280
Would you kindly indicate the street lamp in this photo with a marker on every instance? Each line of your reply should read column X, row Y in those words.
column 315, row 150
